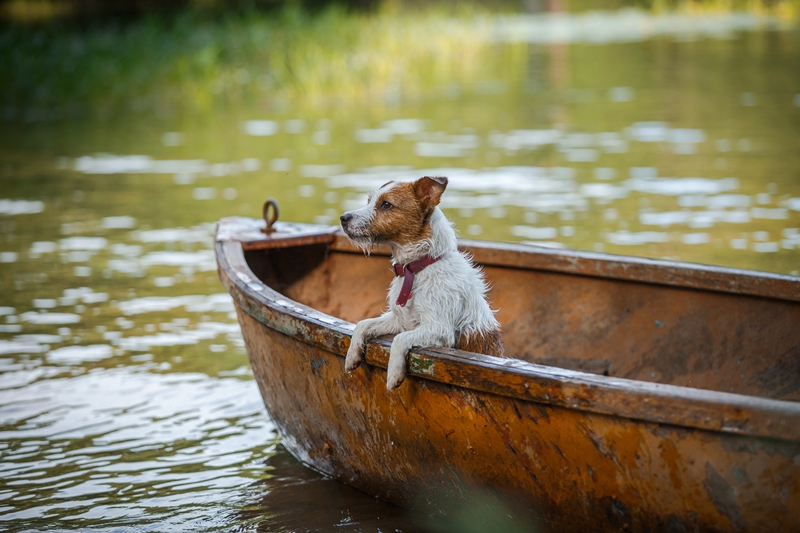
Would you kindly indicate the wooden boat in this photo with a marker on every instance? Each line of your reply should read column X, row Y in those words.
column 643, row 395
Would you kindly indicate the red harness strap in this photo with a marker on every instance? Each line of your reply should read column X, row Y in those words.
column 407, row 271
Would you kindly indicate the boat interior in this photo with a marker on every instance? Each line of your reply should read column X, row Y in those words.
column 650, row 331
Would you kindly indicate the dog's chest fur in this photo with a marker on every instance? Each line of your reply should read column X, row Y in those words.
column 451, row 289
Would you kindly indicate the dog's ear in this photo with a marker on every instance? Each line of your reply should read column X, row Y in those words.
column 430, row 190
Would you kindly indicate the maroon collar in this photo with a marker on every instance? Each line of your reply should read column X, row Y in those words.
column 407, row 271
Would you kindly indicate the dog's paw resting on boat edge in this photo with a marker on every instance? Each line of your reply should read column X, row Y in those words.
column 355, row 354
column 438, row 297
column 395, row 372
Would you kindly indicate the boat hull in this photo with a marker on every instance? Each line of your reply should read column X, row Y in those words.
column 555, row 450
column 438, row 447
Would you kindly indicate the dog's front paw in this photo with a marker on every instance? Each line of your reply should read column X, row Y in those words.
column 355, row 354
column 396, row 372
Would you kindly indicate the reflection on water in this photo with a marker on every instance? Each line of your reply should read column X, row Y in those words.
column 291, row 490
column 129, row 445
column 126, row 400
column 626, row 25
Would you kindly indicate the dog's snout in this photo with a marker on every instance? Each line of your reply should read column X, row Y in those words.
column 346, row 218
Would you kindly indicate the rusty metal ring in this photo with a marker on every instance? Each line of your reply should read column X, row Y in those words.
column 270, row 220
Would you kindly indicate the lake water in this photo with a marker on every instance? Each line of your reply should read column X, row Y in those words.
column 126, row 399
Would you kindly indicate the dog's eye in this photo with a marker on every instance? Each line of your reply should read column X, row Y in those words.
column 386, row 205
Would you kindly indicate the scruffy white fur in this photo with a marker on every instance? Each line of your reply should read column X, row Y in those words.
column 449, row 296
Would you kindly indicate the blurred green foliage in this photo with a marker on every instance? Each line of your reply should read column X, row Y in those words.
column 194, row 59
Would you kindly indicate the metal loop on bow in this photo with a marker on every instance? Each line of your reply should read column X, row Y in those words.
column 272, row 219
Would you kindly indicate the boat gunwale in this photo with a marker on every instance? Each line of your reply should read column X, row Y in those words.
column 679, row 274
column 573, row 262
column 639, row 400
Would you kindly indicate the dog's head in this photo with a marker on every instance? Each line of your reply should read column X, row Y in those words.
column 397, row 213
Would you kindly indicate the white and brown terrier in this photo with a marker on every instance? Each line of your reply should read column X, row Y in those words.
column 438, row 298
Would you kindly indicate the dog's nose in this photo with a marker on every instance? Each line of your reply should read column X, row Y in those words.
column 345, row 218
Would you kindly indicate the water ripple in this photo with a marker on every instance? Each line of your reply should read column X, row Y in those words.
column 89, row 446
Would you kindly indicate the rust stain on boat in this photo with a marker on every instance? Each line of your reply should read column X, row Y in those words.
column 647, row 395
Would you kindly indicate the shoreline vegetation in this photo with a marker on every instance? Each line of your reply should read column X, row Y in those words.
column 193, row 59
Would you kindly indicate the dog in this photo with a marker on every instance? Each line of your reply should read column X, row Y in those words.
column 438, row 297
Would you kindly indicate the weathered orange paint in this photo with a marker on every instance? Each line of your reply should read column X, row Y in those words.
column 648, row 437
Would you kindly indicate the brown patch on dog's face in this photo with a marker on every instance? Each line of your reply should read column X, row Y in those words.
column 403, row 211
column 396, row 213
